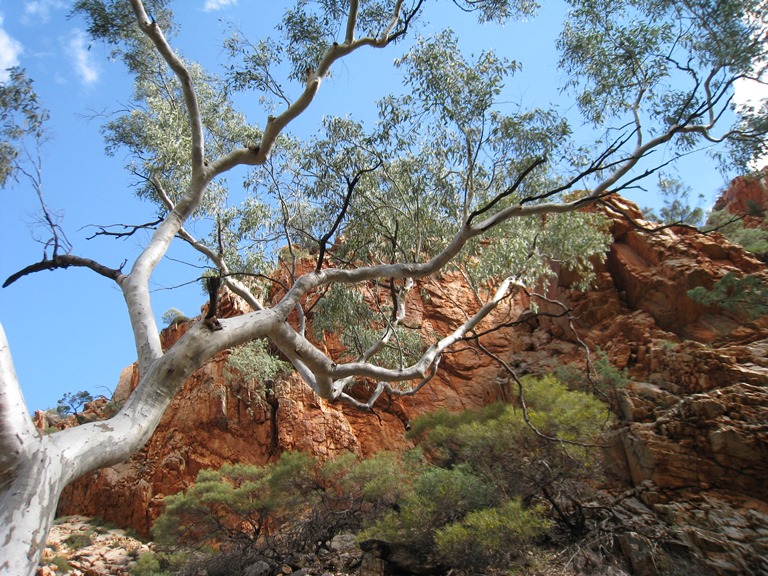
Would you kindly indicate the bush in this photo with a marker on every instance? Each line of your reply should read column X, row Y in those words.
column 746, row 296
column 61, row 563
column 240, row 504
column 475, row 505
column 491, row 537
column 79, row 540
column 440, row 496
column 751, row 239
column 148, row 564
column 286, row 506
column 253, row 364
column 605, row 377
column 499, row 445
column 473, row 495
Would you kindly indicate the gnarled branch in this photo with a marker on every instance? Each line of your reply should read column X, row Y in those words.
column 65, row 261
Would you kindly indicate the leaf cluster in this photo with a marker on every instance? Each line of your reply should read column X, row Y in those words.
column 21, row 117
column 745, row 296
column 753, row 239
column 252, row 363
column 157, row 134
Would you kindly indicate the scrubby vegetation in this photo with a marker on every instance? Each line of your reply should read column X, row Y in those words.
column 753, row 239
column 480, row 490
column 253, row 361
column 746, row 296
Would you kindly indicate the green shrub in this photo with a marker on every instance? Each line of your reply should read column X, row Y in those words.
column 369, row 486
column 439, row 496
column 148, row 564
column 291, row 504
column 479, row 477
column 474, row 506
column 61, row 563
column 234, row 503
column 605, row 377
column 492, row 536
column 252, row 363
column 499, row 445
column 751, row 239
column 746, row 296
column 79, row 540
column 112, row 407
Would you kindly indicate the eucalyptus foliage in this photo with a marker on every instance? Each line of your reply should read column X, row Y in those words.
column 745, row 297
column 753, row 238
column 450, row 178
column 22, row 120
column 253, row 364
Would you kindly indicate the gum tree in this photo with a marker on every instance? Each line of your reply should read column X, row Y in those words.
column 447, row 179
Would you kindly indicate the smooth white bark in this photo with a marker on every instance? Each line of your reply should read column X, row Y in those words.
column 36, row 467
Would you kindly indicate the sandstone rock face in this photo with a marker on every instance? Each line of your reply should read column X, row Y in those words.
column 691, row 447
column 216, row 420
column 693, row 439
column 745, row 195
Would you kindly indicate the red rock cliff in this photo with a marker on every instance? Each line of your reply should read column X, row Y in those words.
column 693, row 440
column 212, row 421
column 745, row 196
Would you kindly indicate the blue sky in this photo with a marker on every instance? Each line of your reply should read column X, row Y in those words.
column 68, row 330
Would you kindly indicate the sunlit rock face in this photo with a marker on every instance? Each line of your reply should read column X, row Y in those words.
column 216, row 419
column 691, row 436
column 746, row 196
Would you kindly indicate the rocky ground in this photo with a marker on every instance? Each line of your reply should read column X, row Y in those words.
column 111, row 552
column 82, row 546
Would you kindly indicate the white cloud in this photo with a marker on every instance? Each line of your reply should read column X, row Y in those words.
column 213, row 5
column 749, row 93
column 82, row 61
column 41, row 9
column 10, row 50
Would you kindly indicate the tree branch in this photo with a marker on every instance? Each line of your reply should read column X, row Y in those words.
column 382, row 387
column 259, row 154
column 65, row 261
column 128, row 229
column 153, row 32
column 342, row 213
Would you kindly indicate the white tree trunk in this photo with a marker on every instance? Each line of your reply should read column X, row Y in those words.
column 27, row 507
column 35, row 468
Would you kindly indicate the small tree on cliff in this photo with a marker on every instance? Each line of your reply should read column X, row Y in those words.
column 446, row 169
